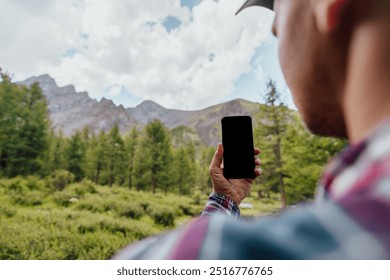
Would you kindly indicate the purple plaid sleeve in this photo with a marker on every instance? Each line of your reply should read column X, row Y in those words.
column 222, row 204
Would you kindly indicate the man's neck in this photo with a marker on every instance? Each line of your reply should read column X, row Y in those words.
column 366, row 100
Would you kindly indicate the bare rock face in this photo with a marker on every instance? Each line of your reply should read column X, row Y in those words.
column 206, row 123
column 72, row 111
column 149, row 110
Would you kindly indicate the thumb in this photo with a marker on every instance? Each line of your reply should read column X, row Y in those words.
column 217, row 159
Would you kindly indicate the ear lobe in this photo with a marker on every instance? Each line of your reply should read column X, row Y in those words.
column 328, row 14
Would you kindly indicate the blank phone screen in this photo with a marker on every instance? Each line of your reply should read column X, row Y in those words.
column 237, row 141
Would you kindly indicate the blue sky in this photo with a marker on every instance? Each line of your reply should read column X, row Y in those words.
column 190, row 3
column 171, row 23
column 182, row 54
column 252, row 86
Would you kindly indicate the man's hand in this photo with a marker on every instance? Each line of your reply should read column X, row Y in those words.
column 236, row 189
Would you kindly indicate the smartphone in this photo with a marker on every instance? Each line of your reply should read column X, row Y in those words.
column 237, row 141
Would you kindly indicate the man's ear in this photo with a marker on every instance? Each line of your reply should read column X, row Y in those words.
column 328, row 14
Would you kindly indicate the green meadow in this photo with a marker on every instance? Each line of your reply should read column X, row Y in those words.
column 87, row 221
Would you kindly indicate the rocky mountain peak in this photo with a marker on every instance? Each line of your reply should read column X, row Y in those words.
column 148, row 111
column 106, row 102
column 149, row 105
column 43, row 80
column 72, row 111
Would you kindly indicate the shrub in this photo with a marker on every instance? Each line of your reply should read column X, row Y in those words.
column 134, row 211
column 98, row 203
column 34, row 183
column 144, row 205
column 190, row 210
column 162, row 215
column 92, row 204
column 30, row 198
column 61, row 179
column 7, row 211
column 198, row 198
column 83, row 188
column 15, row 185
column 29, row 191
column 39, row 223
column 63, row 198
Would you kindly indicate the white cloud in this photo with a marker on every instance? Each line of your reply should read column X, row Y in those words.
column 114, row 90
column 124, row 43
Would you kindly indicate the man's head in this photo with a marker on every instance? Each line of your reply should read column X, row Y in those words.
column 314, row 37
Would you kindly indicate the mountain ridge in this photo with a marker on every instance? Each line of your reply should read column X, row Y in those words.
column 71, row 111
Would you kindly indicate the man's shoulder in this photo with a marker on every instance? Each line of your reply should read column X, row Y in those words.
column 326, row 231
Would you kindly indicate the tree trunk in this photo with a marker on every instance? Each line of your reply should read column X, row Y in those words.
column 130, row 177
column 279, row 165
column 260, row 194
column 154, row 187
column 97, row 175
column 111, row 177
column 282, row 192
column 154, row 183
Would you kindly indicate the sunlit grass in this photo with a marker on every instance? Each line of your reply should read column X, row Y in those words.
column 86, row 221
column 83, row 221
column 260, row 207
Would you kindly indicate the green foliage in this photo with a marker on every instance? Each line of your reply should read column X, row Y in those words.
column 116, row 158
column 306, row 156
column 133, row 211
column 24, row 125
column 83, row 221
column 185, row 169
column 59, row 234
column 269, row 135
column 206, row 155
column 131, row 144
column 75, row 155
column 55, row 158
column 17, row 187
column 61, row 178
column 153, row 160
column 183, row 135
column 162, row 215
column 96, row 158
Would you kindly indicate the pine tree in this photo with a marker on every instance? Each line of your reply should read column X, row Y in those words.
column 269, row 134
column 131, row 142
column 55, row 154
column 24, row 125
column 9, row 98
column 98, row 158
column 116, row 157
column 206, row 155
column 305, row 158
column 185, row 169
column 153, row 160
column 75, row 155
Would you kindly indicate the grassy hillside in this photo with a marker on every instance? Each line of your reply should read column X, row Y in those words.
column 86, row 221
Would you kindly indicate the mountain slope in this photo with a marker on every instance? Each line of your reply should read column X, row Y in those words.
column 71, row 111
column 205, row 123
column 149, row 110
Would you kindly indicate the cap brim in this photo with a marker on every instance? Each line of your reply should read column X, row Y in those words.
column 269, row 4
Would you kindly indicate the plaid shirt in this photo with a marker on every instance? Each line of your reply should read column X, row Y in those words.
column 348, row 220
